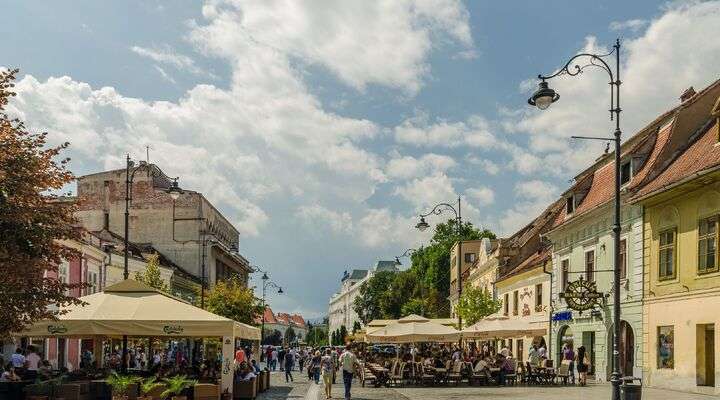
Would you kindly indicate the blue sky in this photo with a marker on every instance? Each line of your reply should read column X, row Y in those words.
column 320, row 128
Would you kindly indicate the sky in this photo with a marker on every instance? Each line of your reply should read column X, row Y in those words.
column 322, row 128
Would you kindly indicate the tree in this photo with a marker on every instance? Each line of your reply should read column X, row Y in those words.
column 151, row 276
column 290, row 335
column 342, row 335
column 475, row 304
column 333, row 338
column 317, row 336
column 275, row 338
column 231, row 299
column 414, row 306
column 368, row 304
column 33, row 221
column 432, row 263
column 356, row 327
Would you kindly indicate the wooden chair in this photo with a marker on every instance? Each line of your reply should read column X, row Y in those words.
column 563, row 373
column 479, row 373
column 427, row 375
column 512, row 378
column 396, row 376
column 367, row 376
column 455, row 375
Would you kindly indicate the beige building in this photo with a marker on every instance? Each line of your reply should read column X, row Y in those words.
column 189, row 232
column 470, row 249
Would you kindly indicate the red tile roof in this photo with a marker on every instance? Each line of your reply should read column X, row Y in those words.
column 534, row 260
column 703, row 154
column 298, row 320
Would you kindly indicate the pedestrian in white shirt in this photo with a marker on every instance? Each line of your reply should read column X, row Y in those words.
column 348, row 362
column 32, row 360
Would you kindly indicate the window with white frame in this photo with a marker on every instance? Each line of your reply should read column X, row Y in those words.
column 92, row 281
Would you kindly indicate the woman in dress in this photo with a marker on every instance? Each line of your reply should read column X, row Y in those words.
column 582, row 361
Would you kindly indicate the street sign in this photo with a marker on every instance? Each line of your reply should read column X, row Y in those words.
column 581, row 295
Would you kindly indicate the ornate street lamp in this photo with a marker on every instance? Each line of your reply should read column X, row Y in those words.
column 542, row 99
column 422, row 225
column 407, row 253
column 266, row 284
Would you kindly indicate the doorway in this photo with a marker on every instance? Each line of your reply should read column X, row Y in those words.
column 565, row 339
column 705, row 354
column 627, row 349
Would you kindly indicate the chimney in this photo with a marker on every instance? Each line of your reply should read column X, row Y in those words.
column 687, row 94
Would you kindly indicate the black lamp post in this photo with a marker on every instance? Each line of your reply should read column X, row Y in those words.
column 542, row 99
column 266, row 284
column 174, row 191
column 407, row 253
column 422, row 225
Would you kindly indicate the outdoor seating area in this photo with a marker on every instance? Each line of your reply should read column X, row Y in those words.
column 173, row 349
column 432, row 354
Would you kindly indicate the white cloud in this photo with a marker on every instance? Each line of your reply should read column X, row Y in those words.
column 380, row 42
column 168, row 56
column 420, row 131
column 410, row 167
column 673, row 45
column 483, row 195
column 531, row 198
column 488, row 166
column 632, row 25
column 381, row 229
column 164, row 74
column 317, row 215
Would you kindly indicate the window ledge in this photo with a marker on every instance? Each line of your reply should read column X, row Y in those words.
column 667, row 282
column 707, row 275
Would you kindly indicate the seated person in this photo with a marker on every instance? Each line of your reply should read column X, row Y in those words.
column 244, row 373
column 45, row 370
column 439, row 363
column 9, row 375
column 255, row 366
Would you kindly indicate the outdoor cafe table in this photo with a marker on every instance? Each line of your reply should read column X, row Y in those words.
column 381, row 373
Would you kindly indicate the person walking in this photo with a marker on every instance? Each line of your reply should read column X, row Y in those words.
column 569, row 355
column 315, row 364
column 289, row 361
column 348, row 362
column 328, row 370
column 583, row 364
column 301, row 359
column 274, row 359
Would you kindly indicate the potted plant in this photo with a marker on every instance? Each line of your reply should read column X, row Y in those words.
column 120, row 385
column 147, row 386
column 175, row 386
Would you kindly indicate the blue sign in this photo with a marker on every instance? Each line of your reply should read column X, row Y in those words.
column 562, row 316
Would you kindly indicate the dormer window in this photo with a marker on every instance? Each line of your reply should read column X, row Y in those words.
column 570, row 204
column 625, row 172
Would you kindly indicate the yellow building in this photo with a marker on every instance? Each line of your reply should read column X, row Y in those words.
column 471, row 250
column 681, row 309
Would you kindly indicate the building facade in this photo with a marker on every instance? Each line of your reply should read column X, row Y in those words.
column 189, row 232
column 281, row 322
column 681, row 273
column 470, row 249
column 340, row 308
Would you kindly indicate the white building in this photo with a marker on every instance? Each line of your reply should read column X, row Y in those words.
column 341, row 311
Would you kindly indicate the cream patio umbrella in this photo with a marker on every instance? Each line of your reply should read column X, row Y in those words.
column 134, row 309
column 503, row 327
column 413, row 329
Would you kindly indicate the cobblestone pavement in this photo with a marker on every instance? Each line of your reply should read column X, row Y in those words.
column 303, row 389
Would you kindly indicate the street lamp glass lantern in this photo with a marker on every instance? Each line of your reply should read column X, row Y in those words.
column 280, row 291
column 264, row 277
column 422, row 225
column 174, row 190
column 543, row 97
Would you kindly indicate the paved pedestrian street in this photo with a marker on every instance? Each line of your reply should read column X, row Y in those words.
column 303, row 389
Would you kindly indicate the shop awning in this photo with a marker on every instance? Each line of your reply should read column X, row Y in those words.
column 134, row 309
column 413, row 329
column 504, row 327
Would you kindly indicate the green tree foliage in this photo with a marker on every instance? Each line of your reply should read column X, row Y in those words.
column 333, row 338
column 151, row 276
column 369, row 304
column 317, row 336
column 342, row 335
column 33, row 221
column 290, row 335
column 231, row 299
column 475, row 304
column 422, row 289
column 356, row 327
column 274, row 338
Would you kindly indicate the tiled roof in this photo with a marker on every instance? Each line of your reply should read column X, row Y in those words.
column 386, row 266
column 532, row 261
column 703, row 154
column 298, row 320
column 355, row 274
